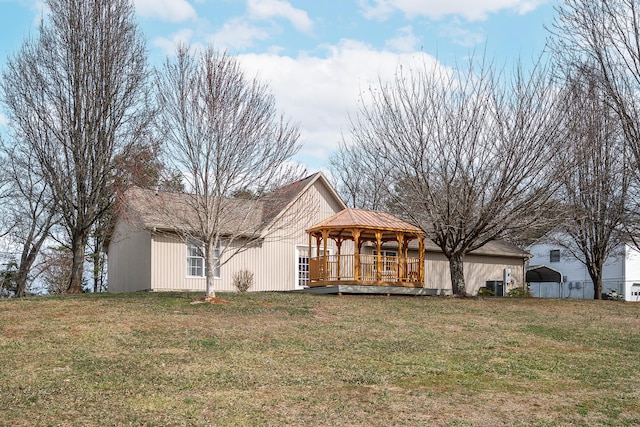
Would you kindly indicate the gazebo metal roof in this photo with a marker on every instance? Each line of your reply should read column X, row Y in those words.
column 368, row 222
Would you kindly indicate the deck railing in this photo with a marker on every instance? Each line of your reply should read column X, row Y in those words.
column 342, row 268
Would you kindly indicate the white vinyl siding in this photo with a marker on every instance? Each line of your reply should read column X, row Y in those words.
column 477, row 270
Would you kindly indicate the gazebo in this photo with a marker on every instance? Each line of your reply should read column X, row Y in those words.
column 358, row 268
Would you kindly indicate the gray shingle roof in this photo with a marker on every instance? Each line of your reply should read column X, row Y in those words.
column 169, row 211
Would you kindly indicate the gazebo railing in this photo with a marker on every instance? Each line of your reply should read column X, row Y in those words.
column 342, row 268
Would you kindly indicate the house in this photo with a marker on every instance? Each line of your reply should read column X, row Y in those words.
column 288, row 249
column 621, row 273
column 145, row 252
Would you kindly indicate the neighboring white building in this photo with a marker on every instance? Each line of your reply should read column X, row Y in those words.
column 621, row 273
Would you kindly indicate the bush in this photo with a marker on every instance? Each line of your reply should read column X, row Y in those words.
column 485, row 292
column 243, row 280
column 520, row 292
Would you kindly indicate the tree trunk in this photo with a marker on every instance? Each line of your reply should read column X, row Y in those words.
column 456, row 267
column 78, row 246
column 596, row 277
column 210, row 268
column 21, row 280
column 26, row 260
column 30, row 251
column 98, row 269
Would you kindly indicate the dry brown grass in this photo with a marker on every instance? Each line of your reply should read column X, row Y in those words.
column 292, row 359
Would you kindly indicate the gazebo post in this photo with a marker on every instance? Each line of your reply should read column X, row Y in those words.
column 309, row 258
column 339, row 245
column 379, row 256
column 401, row 256
column 356, row 254
column 421, row 260
column 325, row 237
column 405, row 250
column 318, row 237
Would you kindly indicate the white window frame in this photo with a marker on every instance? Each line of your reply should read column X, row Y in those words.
column 385, row 253
column 300, row 250
column 554, row 255
column 200, row 257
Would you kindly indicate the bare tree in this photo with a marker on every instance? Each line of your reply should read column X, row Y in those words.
column 30, row 209
column 596, row 177
column 360, row 180
column 225, row 136
column 607, row 34
column 467, row 155
column 76, row 94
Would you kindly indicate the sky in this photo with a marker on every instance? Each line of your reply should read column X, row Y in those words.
column 318, row 56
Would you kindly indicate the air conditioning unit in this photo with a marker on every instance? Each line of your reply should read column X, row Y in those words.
column 496, row 286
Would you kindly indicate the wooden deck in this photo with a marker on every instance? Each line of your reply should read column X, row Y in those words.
column 365, row 270
column 375, row 290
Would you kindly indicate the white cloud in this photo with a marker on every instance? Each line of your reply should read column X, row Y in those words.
column 321, row 92
column 3, row 120
column 471, row 10
column 266, row 9
column 166, row 10
column 239, row 34
column 460, row 35
column 168, row 45
column 40, row 11
column 405, row 41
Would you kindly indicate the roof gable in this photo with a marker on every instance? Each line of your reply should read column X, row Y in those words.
column 281, row 199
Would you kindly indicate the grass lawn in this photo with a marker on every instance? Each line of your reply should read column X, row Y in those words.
column 293, row 359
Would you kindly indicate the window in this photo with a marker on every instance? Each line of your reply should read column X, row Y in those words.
column 302, row 267
column 195, row 260
column 554, row 255
column 389, row 260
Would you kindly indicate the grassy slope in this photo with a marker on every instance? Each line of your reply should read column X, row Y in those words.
column 276, row 359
